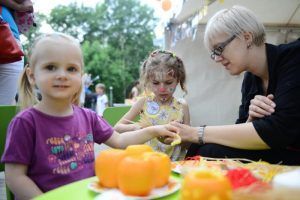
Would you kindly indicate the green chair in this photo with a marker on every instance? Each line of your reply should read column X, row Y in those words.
column 6, row 115
column 113, row 114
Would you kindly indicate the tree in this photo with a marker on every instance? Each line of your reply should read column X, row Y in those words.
column 33, row 32
column 116, row 37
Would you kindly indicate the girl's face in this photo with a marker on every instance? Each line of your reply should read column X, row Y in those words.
column 57, row 69
column 99, row 90
column 234, row 53
column 163, row 87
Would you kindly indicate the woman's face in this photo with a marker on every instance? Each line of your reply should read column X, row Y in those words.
column 231, row 52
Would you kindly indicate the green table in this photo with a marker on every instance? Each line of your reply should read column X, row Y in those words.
column 79, row 190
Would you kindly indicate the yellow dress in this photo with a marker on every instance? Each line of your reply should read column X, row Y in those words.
column 154, row 113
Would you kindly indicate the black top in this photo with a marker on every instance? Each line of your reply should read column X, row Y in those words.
column 281, row 130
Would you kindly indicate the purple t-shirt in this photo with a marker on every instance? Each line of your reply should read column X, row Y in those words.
column 57, row 150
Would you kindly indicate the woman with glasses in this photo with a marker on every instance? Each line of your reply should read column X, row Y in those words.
column 268, row 126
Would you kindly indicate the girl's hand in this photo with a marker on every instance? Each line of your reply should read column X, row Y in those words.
column 261, row 106
column 135, row 127
column 166, row 130
column 121, row 128
column 186, row 133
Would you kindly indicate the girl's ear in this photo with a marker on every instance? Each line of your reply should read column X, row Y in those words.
column 30, row 75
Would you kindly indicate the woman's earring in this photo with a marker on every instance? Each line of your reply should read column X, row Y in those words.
column 248, row 46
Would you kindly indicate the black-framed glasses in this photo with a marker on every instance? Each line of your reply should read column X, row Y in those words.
column 220, row 48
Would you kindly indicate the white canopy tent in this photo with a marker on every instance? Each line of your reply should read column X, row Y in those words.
column 214, row 95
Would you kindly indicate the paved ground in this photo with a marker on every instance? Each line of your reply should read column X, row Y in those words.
column 2, row 178
column 2, row 187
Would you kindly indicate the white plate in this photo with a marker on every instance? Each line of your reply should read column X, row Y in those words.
column 172, row 186
column 177, row 169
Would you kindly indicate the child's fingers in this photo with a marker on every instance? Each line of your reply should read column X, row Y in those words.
column 172, row 129
column 176, row 141
column 177, row 124
column 168, row 140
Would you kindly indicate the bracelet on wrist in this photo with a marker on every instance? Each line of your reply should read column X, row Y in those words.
column 201, row 134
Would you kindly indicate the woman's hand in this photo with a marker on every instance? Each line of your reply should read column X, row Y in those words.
column 261, row 106
column 26, row 6
column 186, row 132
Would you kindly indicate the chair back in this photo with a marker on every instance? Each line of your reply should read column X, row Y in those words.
column 6, row 115
column 113, row 114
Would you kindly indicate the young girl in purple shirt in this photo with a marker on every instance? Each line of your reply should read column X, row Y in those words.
column 50, row 143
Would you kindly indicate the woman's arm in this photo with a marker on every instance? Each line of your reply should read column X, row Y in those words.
column 125, row 123
column 140, row 136
column 242, row 136
column 26, row 6
column 19, row 183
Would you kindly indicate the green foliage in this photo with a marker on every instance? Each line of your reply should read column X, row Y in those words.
column 116, row 37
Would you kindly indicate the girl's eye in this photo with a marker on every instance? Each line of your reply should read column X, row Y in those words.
column 50, row 67
column 72, row 69
column 169, row 82
column 155, row 83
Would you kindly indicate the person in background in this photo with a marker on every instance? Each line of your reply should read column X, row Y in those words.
column 10, row 72
column 50, row 143
column 161, row 72
column 268, row 127
column 102, row 100
column 82, row 94
column 24, row 20
column 135, row 91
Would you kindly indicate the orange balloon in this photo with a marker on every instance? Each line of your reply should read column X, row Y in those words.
column 166, row 5
column 162, row 167
column 205, row 184
column 135, row 176
column 138, row 149
column 106, row 166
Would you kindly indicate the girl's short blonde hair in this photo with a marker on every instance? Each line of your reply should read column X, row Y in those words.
column 234, row 21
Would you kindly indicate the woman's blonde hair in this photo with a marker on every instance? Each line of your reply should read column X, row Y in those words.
column 234, row 21
column 28, row 96
column 160, row 63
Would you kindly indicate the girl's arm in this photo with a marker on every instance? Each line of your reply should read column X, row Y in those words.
column 19, row 183
column 186, row 114
column 186, row 120
column 140, row 136
column 242, row 136
column 125, row 123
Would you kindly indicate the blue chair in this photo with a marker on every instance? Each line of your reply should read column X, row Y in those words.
column 6, row 115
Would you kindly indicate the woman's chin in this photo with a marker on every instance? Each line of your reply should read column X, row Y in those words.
column 234, row 72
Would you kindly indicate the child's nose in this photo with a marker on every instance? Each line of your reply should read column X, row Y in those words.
column 162, row 89
column 61, row 74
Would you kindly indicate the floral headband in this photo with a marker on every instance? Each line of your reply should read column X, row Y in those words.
column 154, row 53
column 162, row 51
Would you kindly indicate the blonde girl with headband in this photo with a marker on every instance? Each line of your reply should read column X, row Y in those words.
column 160, row 74
column 50, row 142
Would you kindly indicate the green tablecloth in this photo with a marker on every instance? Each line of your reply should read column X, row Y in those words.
column 79, row 190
